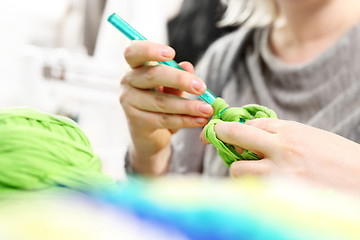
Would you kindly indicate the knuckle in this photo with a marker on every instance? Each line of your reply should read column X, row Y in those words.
column 184, row 122
column 122, row 98
column 151, row 73
column 148, row 52
column 285, row 125
column 125, row 79
column 180, row 80
column 289, row 144
column 124, row 95
column 288, row 147
column 233, row 131
column 164, row 121
column 160, row 102
column 236, row 131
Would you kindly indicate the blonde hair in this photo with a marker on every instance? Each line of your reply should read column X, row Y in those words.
column 253, row 13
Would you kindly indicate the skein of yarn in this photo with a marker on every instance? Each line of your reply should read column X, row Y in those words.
column 40, row 151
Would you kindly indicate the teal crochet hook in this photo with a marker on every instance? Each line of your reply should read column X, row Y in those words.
column 132, row 34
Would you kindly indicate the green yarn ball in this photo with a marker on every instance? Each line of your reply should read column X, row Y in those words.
column 40, row 151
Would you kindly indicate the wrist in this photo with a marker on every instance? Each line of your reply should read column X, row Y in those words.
column 152, row 164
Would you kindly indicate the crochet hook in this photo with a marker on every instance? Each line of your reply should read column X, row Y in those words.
column 132, row 34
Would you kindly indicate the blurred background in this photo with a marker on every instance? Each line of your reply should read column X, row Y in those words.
column 63, row 57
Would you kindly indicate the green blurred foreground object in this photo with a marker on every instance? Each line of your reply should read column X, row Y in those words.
column 40, row 151
column 228, row 152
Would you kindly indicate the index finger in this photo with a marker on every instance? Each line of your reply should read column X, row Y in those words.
column 140, row 52
column 149, row 77
column 246, row 136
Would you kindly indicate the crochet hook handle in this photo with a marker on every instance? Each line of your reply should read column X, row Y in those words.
column 132, row 34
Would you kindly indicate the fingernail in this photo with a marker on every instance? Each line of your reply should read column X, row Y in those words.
column 205, row 108
column 201, row 121
column 198, row 85
column 167, row 52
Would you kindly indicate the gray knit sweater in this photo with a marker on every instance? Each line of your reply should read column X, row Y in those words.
column 324, row 92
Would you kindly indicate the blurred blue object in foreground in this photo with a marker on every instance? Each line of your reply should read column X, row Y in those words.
column 183, row 208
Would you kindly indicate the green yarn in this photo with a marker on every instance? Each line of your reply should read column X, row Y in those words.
column 227, row 152
column 40, row 151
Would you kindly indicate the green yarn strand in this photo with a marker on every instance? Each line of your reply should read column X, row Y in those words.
column 227, row 152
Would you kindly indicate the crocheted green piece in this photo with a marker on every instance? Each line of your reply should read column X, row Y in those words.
column 227, row 152
column 40, row 151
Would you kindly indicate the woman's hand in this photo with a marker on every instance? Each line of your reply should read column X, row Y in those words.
column 293, row 148
column 154, row 100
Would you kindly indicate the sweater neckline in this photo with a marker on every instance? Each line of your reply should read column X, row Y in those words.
column 278, row 65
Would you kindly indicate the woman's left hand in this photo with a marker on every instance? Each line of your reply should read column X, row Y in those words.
column 292, row 148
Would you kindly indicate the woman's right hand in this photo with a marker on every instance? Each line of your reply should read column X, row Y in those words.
column 155, row 103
